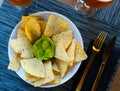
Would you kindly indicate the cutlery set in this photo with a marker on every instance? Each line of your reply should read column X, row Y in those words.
column 96, row 48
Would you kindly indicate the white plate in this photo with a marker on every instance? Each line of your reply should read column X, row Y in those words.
column 77, row 36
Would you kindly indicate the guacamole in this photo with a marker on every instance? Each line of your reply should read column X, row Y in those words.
column 44, row 48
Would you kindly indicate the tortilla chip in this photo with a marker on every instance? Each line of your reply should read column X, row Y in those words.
column 20, row 33
column 60, row 52
column 71, row 52
column 55, row 67
column 56, row 73
column 34, row 67
column 49, row 75
column 63, row 66
column 26, row 18
column 55, row 25
column 66, row 38
column 32, row 29
column 43, row 26
column 23, row 22
column 80, row 54
column 14, row 64
column 31, row 78
column 22, row 46
column 57, row 79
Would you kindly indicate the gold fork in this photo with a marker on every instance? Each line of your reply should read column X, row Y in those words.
column 95, row 50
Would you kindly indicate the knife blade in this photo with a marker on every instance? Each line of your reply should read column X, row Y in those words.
column 105, row 58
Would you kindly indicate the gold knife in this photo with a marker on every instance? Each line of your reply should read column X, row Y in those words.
column 105, row 57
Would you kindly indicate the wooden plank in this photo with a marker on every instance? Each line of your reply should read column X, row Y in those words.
column 116, row 83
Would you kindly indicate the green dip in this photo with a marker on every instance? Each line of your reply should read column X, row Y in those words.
column 44, row 48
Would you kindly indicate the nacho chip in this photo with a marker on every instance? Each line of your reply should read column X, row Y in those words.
column 23, row 22
column 31, row 78
column 32, row 29
column 26, row 18
column 49, row 75
column 22, row 46
column 34, row 67
column 60, row 52
column 80, row 54
column 57, row 79
column 56, row 73
column 14, row 64
column 20, row 33
column 66, row 38
column 42, row 25
column 55, row 25
column 63, row 66
column 55, row 67
column 71, row 52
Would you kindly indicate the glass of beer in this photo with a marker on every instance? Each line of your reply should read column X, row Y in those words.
column 24, row 5
column 90, row 6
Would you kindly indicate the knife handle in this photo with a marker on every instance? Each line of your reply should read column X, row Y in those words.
column 97, row 79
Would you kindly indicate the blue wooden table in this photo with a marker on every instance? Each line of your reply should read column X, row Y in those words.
column 107, row 19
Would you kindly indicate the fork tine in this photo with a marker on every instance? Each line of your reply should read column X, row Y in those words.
column 99, row 41
column 101, row 38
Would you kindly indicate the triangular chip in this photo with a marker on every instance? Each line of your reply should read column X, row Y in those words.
column 34, row 67
column 14, row 64
column 60, row 52
column 26, row 18
column 71, row 52
column 55, row 67
column 31, row 78
column 43, row 26
column 66, row 38
column 55, row 25
column 21, row 33
column 80, row 54
column 63, row 66
column 22, row 46
column 57, row 78
column 49, row 75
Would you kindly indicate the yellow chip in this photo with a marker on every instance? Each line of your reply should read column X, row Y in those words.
column 32, row 29
column 23, row 22
column 26, row 18
column 42, row 25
